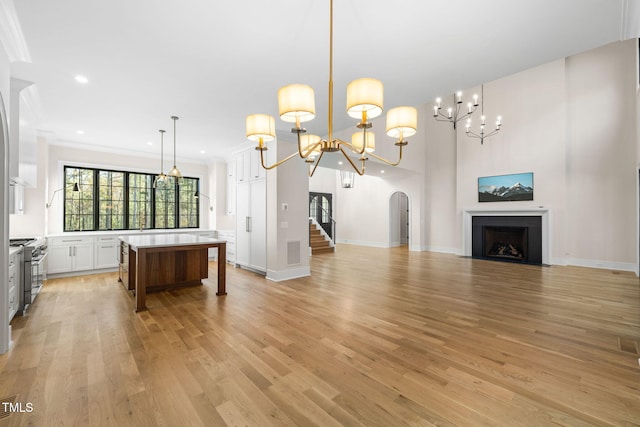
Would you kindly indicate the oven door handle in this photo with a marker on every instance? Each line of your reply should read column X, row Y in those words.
column 38, row 260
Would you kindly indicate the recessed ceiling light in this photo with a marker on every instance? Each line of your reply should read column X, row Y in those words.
column 381, row 171
column 80, row 132
column 82, row 79
column 340, row 163
column 202, row 151
column 149, row 143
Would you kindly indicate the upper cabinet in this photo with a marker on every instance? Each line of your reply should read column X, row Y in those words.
column 22, row 135
column 248, row 167
column 231, row 188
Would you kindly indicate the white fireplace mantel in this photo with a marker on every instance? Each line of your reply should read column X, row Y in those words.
column 468, row 214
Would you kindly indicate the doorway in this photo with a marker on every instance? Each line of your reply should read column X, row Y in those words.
column 321, row 209
column 398, row 219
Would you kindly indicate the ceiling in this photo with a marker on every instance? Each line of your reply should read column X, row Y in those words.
column 214, row 62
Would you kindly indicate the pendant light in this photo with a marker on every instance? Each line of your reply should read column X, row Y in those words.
column 174, row 172
column 161, row 178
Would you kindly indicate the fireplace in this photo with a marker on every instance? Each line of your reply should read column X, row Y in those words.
column 507, row 238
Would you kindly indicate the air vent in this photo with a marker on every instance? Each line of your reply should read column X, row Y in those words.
column 293, row 252
column 5, row 413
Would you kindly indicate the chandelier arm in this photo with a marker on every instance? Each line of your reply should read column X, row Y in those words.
column 353, row 165
column 312, row 171
column 364, row 136
column 298, row 130
column 289, row 157
column 309, row 150
column 387, row 161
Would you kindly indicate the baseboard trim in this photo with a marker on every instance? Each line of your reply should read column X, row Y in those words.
column 81, row 273
column 363, row 243
column 282, row 275
column 594, row 263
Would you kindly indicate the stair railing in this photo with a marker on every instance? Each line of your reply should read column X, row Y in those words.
column 332, row 238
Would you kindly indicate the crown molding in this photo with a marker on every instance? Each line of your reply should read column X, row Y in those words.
column 11, row 33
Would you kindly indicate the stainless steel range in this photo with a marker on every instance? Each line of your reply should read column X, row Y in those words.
column 34, row 255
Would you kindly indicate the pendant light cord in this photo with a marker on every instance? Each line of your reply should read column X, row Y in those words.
column 161, row 151
column 174, row 140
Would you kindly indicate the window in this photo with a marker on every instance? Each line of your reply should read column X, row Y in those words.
column 140, row 191
column 78, row 205
column 188, row 203
column 111, row 200
column 118, row 200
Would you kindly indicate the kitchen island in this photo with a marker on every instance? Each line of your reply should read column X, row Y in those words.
column 167, row 261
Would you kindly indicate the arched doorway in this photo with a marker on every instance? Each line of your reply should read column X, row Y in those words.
column 398, row 219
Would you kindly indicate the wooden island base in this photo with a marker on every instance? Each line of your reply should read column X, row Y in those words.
column 157, row 266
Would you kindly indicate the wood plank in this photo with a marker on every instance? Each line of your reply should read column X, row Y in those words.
column 373, row 337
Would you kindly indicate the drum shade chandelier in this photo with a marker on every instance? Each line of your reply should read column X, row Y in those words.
column 296, row 104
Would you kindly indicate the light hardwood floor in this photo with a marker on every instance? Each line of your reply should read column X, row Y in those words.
column 376, row 337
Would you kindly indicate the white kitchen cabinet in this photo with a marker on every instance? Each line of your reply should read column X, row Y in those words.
column 82, row 257
column 70, row 254
column 106, row 252
column 15, row 272
column 256, row 171
column 248, row 166
column 16, row 199
column 231, row 188
column 230, row 237
column 242, row 167
column 251, row 225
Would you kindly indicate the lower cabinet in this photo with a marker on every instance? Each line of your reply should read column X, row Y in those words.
column 14, row 284
column 70, row 254
column 230, row 237
column 106, row 252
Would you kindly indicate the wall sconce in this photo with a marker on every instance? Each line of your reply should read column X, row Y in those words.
column 75, row 188
column 197, row 195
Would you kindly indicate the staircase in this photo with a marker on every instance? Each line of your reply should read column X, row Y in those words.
column 318, row 241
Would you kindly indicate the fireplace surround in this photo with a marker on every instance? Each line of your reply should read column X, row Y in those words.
column 540, row 214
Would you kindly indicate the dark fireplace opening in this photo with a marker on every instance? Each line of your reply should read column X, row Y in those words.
column 506, row 242
column 507, row 238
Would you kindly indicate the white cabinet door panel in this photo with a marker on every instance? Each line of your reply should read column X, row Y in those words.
column 82, row 257
column 258, row 224
column 59, row 259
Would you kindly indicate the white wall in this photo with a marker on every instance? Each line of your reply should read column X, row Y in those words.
column 324, row 180
column 573, row 123
column 532, row 139
column 440, row 219
column 59, row 154
column 219, row 219
column 601, row 168
column 287, row 215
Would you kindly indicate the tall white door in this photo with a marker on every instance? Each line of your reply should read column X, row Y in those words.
column 243, row 241
column 258, row 226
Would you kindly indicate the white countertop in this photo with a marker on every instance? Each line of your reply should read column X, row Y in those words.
column 123, row 232
column 163, row 240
